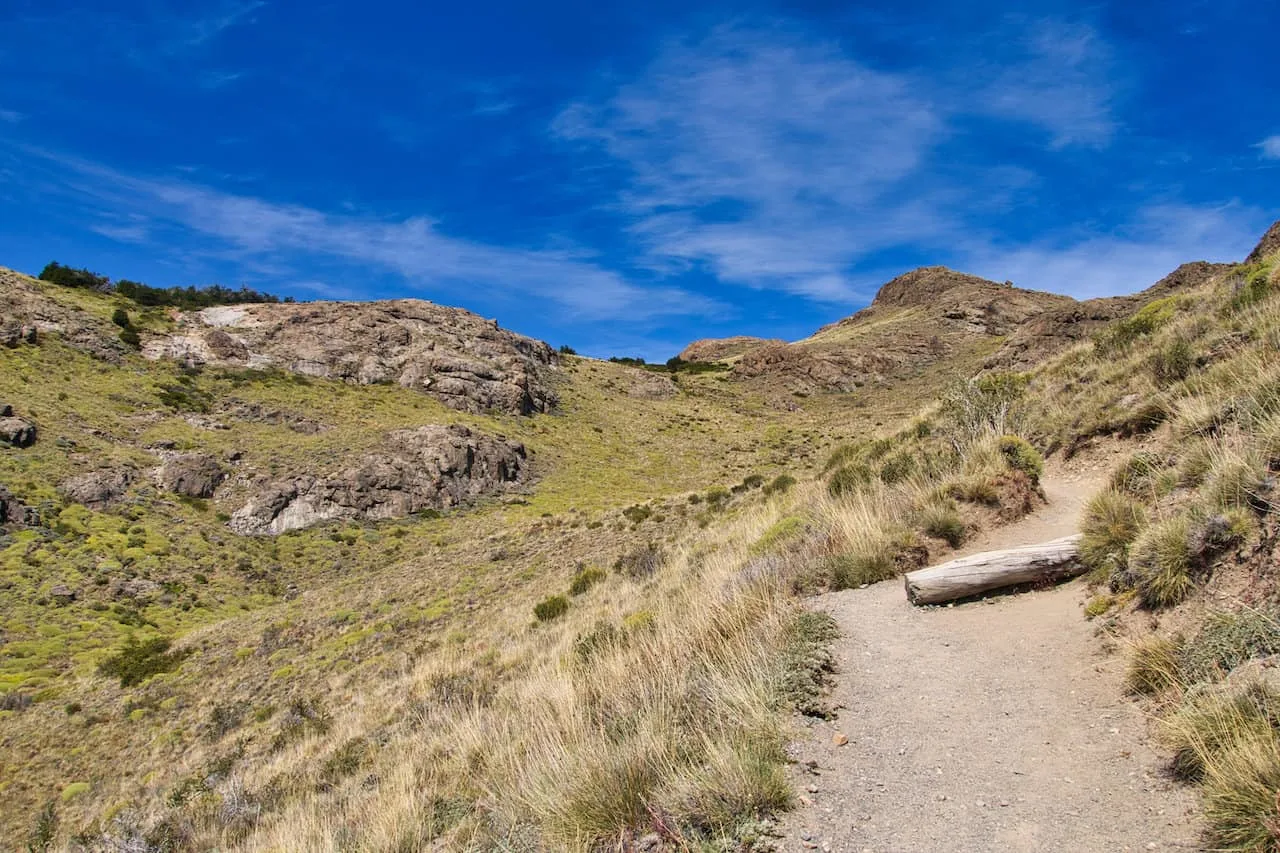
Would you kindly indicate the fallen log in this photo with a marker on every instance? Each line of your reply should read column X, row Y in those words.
column 978, row 573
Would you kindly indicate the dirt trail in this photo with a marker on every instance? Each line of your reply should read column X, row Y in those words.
column 998, row 725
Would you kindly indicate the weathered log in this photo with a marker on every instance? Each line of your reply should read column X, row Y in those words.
column 978, row 573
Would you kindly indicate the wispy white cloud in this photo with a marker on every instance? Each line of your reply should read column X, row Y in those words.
column 206, row 29
column 1059, row 78
column 288, row 237
column 11, row 116
column 761, row 155
column 1269, row 148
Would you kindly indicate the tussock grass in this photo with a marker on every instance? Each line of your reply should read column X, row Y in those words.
column 1160, row 562
column 1111, row 522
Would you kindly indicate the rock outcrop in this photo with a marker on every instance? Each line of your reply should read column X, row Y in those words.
column 14, row 511
column 29, row 307
column 97, row 489
column 720, row 349
column 461, row 359
column 192, row 475
column 431, row 467
column 15, row 431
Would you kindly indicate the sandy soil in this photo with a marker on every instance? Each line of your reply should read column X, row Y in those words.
column 989, row 726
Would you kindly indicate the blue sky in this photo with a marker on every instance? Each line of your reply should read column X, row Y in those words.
column 625, row 178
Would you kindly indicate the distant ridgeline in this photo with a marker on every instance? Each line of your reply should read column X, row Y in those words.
column 187, row 298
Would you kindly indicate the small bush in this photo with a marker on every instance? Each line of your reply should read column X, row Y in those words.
column 343, row 761
column 1120, row 334
column 1153, row 665
column 807, row 663
column 70, row 277
column 640, row 563
column 121, row 318
column 897, row 468
column 779, row 532
column 584, row 579
column 717, row 496
column 1173, row 362
column 552, row 607
column 137, row 662
column 753, row 481
column 841, row 456
column 1138, row 473
column 975, row 490
column 848, row 479
column 941, row 521
column 779, row 484
column 637, row 513
column 1111, row 522
column 1160, row 563
column 1226, row 640
column 1252, row 284
column 603, row 636
column 1021, row 456
column 873, row 559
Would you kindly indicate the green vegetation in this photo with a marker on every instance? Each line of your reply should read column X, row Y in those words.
column 137, row 662
column 552, row 607
column 186, row 298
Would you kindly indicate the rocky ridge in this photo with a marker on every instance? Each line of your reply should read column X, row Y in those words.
column 461, row 359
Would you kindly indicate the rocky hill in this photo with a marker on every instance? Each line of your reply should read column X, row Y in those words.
column 466, row 362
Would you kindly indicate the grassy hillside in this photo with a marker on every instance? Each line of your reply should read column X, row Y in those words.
column 617, row 653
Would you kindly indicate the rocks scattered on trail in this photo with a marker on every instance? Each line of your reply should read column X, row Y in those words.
column 15, row 431
column 461, row 359
column 192, row 475
column 97, row 489
column 430, row 467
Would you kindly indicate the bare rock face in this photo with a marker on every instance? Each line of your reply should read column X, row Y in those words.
column 431, row 467
column 15, row 431
column 97, row 489
column 457, row 357
column 192, row 475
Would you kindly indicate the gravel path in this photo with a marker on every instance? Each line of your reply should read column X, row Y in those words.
column 998, row 725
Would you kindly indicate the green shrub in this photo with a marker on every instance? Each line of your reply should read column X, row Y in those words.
column 842, row 455
column 637, row 513
column 941, row 521
column 807, row 664
column 343, row 761
column 552, row 607
column 641, row 562
column 897, row 468
column 975, row 490
column 1160, row 563
column 1226, row 640
column 602, row 636
column 717, row 496
column 848, row 479
column 121, row 318
column 1021, row 456
column 1251, row 284
column 874, row 559
column 584, row 579
column 753, row 481
column 1173, row 362
column 1112, row 520
column 1120, row 334
column 779, row 484
column 780, row 531
column 70, row 277
column 137, row 662
column 1137, row 475
column 984, row 405
column 130, row 337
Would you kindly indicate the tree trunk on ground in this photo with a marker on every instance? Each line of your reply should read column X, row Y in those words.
column 979, row 573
